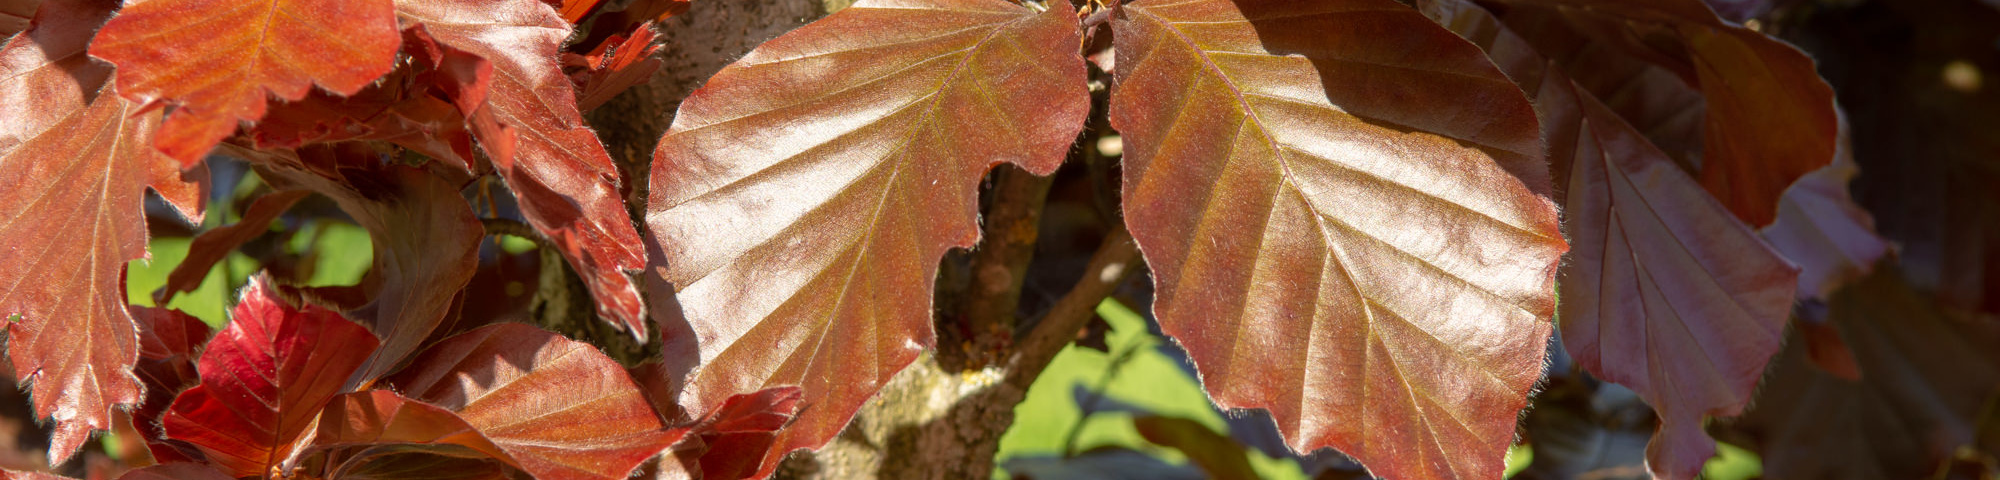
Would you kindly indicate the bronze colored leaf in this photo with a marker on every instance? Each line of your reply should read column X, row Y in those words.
column 567, row 186
column 558, row 407
column 803, row 196
column 1339, row 202
column 219, row 60
column 1770, row 117
column 1666, row 292
column 74, row 162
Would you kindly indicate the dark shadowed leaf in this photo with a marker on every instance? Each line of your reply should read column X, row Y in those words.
column 560, row 408
column 264, row 379
column 383, row 417
column 1666, row 292
column 400, row 462
column 1770, row 118
column 802, row 197
column 566, row 183
column 169, row 343
column 1342, row 232
column 219, row 60
column 425, row 236
column 74, row 162
column 1222, row 458
column 214, row 245
column 1927, row 379
column 176, row 471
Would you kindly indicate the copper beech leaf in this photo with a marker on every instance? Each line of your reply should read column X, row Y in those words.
column 403, row 462
column 566, row 183
column 383, row 417
column 1770, row 117
column 74, row 160
column 1666, row 291
column 1338, row 202
column 732, row 441
column 558, row 407
column 264, row 379
column 219, row 60
column 803, row 196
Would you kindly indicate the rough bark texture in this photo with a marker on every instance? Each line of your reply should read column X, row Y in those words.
column 696, row 44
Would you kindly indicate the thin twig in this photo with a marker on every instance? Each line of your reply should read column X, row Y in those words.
column 1000, row 265
column 1116, row 259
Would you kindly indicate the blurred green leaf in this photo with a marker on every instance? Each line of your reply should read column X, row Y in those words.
column 1148, row 379
column 1732, row 463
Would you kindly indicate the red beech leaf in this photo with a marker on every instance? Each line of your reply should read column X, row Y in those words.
column 1771, row 118
column 1928, row 381
column 1340, row 231
column 214, row 245
column 615, row 66
column 219, row 60
column 412, row 107
column 425, row 237
column 176, row 471
column 558, row 407
column 566, row 183
column 169, row 343
column 404, row 462
column 732, row 441
column 74, row 158
column 804, row 195
column 1666, row 293
column 383, row 417
column 264, row 379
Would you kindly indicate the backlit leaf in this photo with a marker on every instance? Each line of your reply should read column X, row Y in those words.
column 1666, row 292
column 264, row 379
column 1338, row 202
column 219, row 60
column 1770, row 116
column 616, row 65
column 803, row 196
column 74, row 161
column 566, row 183
column 560, row 408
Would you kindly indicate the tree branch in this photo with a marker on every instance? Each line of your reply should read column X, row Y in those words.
column 1000, row 267
column 1116, row 259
